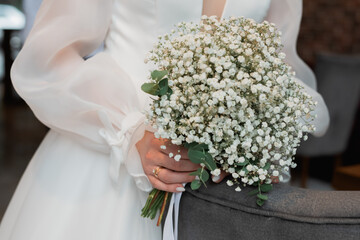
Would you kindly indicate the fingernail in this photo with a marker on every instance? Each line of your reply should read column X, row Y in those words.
column 180, row 189
column 215, row 178
column 197, row 178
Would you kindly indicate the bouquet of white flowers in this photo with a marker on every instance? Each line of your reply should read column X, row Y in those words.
column 224, row 92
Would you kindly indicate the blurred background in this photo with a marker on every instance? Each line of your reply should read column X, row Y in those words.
column 329, row 42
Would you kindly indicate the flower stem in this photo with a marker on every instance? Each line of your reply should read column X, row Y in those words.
column 167, row 194
column 147, row 210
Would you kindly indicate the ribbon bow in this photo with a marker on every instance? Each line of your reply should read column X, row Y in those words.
column 116, row 139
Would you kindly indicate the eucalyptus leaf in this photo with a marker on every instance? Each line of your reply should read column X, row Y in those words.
column 266, row 187
column 163, row 87
column 190, row 145
column 204, row 176
column 262, row 197
column 260, row 202
column 243, row 163
column 245, row 170
column 210, row 161
column 158, row 75
column 195, row 184
column 267, row 166
column 196, row 156
column 254, row 192
column 201, row 146
column 196, row 173
column 169, row 92
column 150, row 88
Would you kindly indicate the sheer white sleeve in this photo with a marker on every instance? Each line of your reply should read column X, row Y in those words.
column 91, row 100
column 286, row 14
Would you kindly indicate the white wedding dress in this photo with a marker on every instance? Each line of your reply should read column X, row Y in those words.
column 94, row 110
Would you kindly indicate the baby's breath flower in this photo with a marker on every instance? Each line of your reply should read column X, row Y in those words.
column 216, row 172
column 231, row 90
column 229, row 183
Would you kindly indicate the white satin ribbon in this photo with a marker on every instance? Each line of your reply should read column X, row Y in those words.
column 170, row 229
column 116, row 139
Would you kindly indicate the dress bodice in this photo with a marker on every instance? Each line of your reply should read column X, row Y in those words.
column 137, row 23
column 171, row 12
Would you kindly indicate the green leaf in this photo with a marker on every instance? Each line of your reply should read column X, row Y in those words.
column 196, row 156
column 254, row 192
column 196, row 173
column 242, row 164
column 267, row 166
column 201, row 147
column 262, row 197
column 190, row 145
column 150, row 88
column 266, row 187
column 210, row 161
column 158, row 75
column 169, row 92
column 163, row 87
column 260, row 202
column 195, row 184
column 204, row 176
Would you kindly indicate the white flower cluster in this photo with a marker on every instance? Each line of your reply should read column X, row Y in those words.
column 233, row 92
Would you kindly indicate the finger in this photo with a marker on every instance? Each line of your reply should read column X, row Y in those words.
column 156, row 158
column 183, row 165
column 218, row 179
column 160, row 141
column 169, row 176
column 175, row 149
column 165, row 146
column 156, row 183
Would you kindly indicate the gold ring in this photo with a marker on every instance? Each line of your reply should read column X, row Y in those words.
column 156, row 172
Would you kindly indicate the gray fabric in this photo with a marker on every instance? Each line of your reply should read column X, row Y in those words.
column 218, row 212
column 338, row 80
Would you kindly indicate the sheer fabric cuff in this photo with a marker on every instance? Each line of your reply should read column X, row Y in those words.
column 122, row 138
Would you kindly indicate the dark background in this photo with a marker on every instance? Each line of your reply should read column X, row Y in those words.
column 331, row 26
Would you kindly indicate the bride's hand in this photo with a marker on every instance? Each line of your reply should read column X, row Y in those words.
column 165, row 173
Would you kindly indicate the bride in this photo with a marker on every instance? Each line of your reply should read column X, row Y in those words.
column 90, row 176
